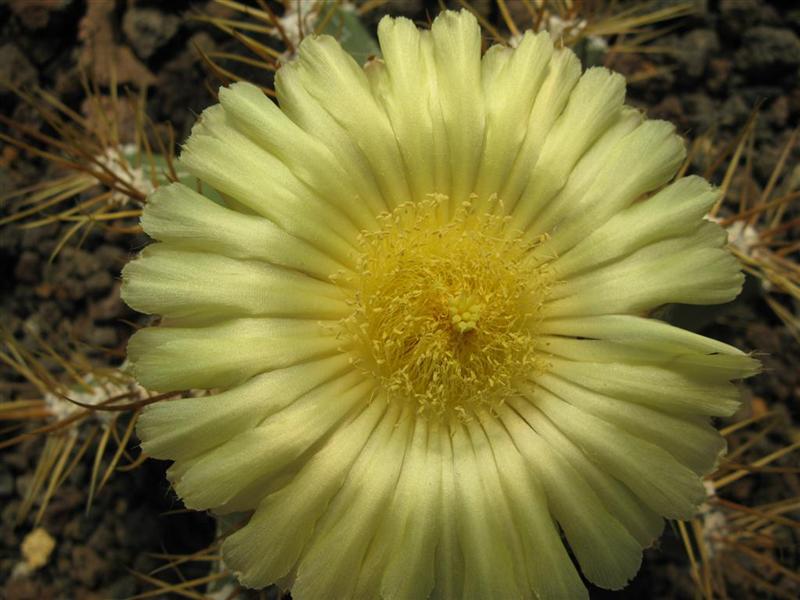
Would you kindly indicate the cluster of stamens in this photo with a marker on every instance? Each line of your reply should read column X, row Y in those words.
column 445, row 309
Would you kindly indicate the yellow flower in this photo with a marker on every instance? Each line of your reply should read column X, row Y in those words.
column 421, row 310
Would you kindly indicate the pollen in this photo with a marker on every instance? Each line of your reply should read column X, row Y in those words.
column 445, row 308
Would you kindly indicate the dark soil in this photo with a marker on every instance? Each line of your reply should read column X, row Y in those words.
column 729, row 57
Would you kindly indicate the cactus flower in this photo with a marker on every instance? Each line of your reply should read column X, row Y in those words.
column 422, row 313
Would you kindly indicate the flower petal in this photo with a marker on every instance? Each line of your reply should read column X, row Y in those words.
column 183, row 428
column 185, row 219
column 639, row 162
column 489, row 551
column 639, row 520
column 177, row 358
column 675, row 211
column 608, row 555
column 450, row 560
column 258, row 454
column 333, row 558
column 551, row 574
column 665, row 485
column 400, row 562
column 636, row 340
column 689, row 270
column 268, row 547
column 406, row 95
column 511, row 80
column 692, row 442
column 227, row 160
column 656, row 386
column 457, row 58
column 646, row 334
column 593, row 106
column 563, row 72
column 307, row 113
column 586, row 170
column 334, row 79
column 255, row 115
column 190, row 285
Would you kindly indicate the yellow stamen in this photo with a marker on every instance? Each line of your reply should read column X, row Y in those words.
column 445, row 311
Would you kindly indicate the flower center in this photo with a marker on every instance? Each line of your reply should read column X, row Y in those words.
column 445, row 309
column 465, row 312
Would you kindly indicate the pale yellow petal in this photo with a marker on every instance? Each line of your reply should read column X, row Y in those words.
column 587, row 168
column 457, row 58
column 690, row 270
column 189, row 285
column 334, row 79
column 489, row 554
column 188, row 220
column 637, row 340
column 308, row 114
column 608, row 555
column 177, row 358
column 260, row 453
column 511, row 80
column 219, row 155
column 268, row 547
column 342, row 537
column 593, row 106
column 638, row 162
column 450, row 560
column 691, row 441
column 675, row 211
column 551, row 574
column 640, row 521
column 658, row 387
column 649, row 336
column 406, row 97
column 563, row 72
column 182, row 428
column 400, row 562
column 255, row 115
column 663, row 483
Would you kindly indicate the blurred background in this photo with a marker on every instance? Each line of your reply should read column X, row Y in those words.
column 96, row 97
